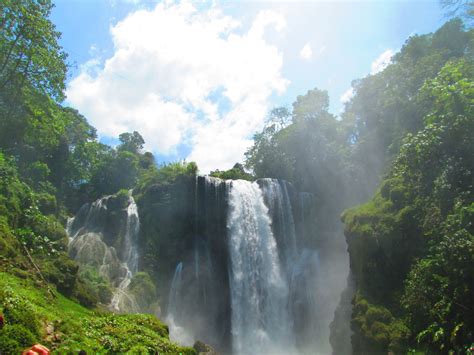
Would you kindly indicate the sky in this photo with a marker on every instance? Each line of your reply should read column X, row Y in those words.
column 198, row 78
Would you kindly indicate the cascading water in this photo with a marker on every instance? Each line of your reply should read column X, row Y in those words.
column 260, row 318
column 276, row 196
column 114, row 257
column 121, row 299
column 246, row 270
column 247, row 286
column 174, row 315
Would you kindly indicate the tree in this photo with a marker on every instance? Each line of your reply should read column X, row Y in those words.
column 462, row 8
column 385, row 108
column 237, row 172
column 32, row 82
column 118, row 170
column 131, row 142
column 415, row 237
column 29, row 50
column 311, row 105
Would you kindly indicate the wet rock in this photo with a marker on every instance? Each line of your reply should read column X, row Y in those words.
column 204, row 349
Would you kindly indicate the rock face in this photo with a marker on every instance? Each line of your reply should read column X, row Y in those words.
column 186, row 245
column 341, row 332
column 103, row 237
column 235, row 263
column 204, row 349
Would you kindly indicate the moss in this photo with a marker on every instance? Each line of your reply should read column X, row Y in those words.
column 122, row 197
column 380, row 334
column 85, row 294
column 143, row 288
column 96, row 284
column 377, row 314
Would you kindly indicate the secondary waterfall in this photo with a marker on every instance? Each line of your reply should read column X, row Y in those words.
column 107, row 244
column 121, row 299
column 260, row 318
column 175, row 313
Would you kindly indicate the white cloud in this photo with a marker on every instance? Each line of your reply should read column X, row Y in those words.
column 132, row 2
column 382, row 61
column 183, row 76
column 347, row 96
column 306, row 52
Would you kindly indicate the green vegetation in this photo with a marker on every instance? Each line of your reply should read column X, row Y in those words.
column 237, row 172
column 32, row 314
column 412, row 246
column 408, row 130
column 50, row 164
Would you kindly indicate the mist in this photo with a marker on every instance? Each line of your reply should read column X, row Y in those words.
column 209, row 183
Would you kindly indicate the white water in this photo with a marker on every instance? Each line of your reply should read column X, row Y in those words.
column 276, row 194
column 261, row 323
column 178, row 333
column 86, row 243
column 121, row 299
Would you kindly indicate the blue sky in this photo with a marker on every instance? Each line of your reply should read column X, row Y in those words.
column 197, row 79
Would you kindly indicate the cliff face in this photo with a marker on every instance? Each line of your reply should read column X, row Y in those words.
column 184, row 224
column 184, row 243
column 185, row 273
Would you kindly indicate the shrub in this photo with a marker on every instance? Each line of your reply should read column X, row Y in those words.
column 14, row 338
column 18, row 311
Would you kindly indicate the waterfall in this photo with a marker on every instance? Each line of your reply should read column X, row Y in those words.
column 277, row 199
column 246, row 272
column 121, row 299
column 108, row 245
column 260, row 316
column 175, row 289
column 178, row 333
column 88, row 219
column 306, row 300
column 69, row 228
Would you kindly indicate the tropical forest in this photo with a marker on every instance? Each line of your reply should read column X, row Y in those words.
column 179, row 177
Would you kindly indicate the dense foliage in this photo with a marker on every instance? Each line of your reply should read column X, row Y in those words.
column 50, row 164
column 237, row 172
column 415, row 237
column 409, row 130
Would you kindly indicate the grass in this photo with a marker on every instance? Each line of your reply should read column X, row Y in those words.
column 32, row 314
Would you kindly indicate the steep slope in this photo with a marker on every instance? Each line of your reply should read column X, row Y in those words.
column 33, row 314
column 412, row 246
